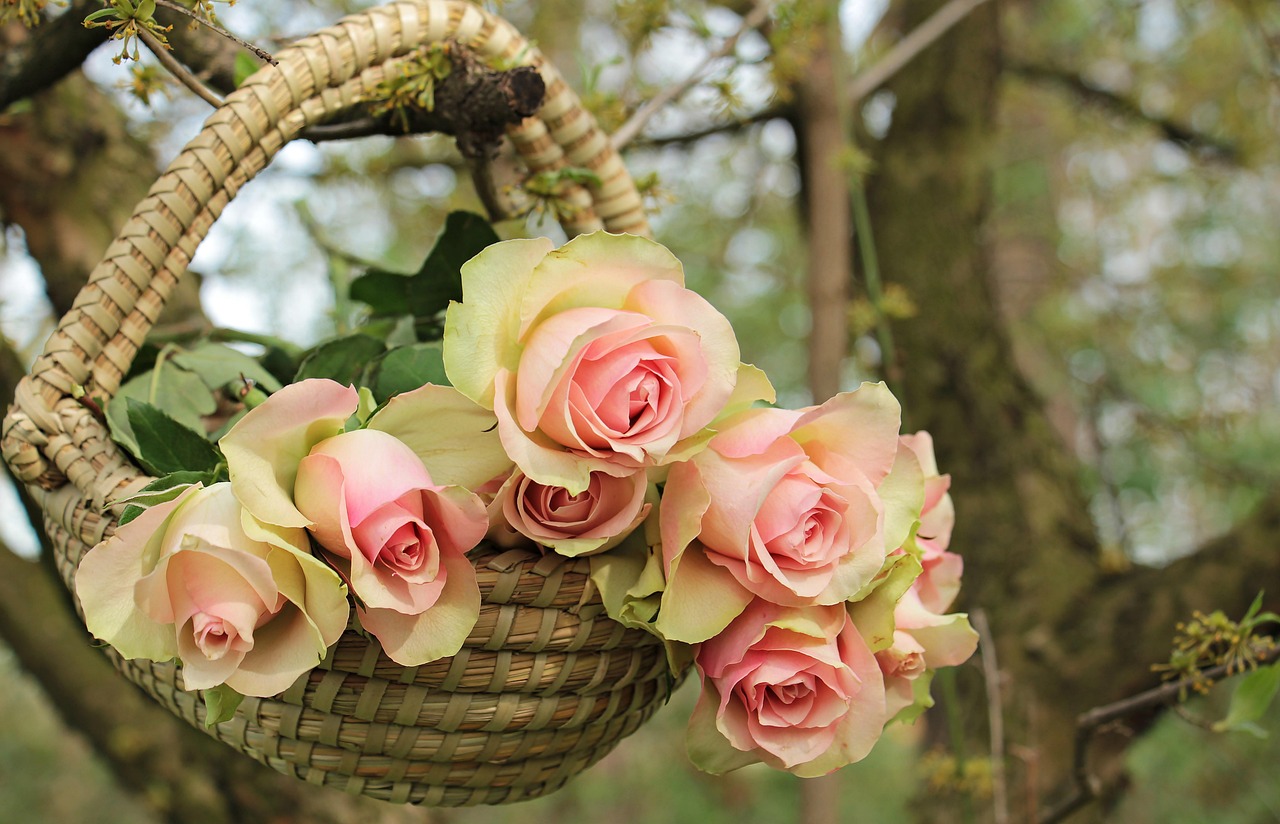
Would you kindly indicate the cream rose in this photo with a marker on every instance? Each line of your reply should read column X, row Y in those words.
column 594, row 357
column 389, row 503
column 239, row 602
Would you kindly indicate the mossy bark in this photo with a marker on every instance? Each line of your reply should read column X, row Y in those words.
column 1070, row 636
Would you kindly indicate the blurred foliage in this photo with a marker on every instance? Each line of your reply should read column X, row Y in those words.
column 46, row 775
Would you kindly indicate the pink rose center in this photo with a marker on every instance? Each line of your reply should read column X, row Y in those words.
column 623, row 393
column 801, row 527
column 397, row 538
column 215, row 637
column 556, row 505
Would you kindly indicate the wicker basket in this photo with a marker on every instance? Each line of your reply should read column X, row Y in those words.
column 546, row 684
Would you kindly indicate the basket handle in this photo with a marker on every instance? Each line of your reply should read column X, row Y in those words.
column 48, row 436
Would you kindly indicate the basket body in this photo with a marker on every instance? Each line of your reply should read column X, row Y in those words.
column 546, row 683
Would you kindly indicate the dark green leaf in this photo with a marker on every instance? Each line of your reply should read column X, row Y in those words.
column 164, row 488
column 165, row 445
column 426, row 294
column 220, row 704
column 406, row 368
column 244, row 67
column 180, row 394
column 342, row 360
column 1251, row 700
column 282, row 365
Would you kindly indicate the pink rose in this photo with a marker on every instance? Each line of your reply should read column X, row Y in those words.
column 389, row 503
column 925, row 637
column 795, row 688
column 399, row 539
column 198, row 578
column 923, row 641
column 589, row 522
column 594, row 357
column 938, row 515
column 788, row 506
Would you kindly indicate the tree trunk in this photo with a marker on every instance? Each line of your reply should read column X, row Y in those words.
column 1069, row 635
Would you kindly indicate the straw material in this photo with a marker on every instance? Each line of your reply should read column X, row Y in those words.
column 546, row 683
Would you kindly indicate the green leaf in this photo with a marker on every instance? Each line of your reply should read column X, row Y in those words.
column 220, row 704
column 243, row 68
column 342, row 360
column 180, row 394
column 1253, row 696
column 427, row 294
column 165, row 445
column 218, row 365
column 406, row 368
column 1254, row 608
column 146, row 9
column 164, row 488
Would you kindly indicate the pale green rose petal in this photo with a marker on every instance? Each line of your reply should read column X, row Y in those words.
column 752, row 385
column 921, row 700
column 708, row 749
column 455, row 438
column 481, row 334
column 947, row 643
column 629, row 578
column 862, row 425
column 597, row 269
column 302, row 578
column 700, row 600
column 903, row 494
column 263, row 450
column 284, row 649
column 412, row 640
column 109, row 574
column 873, row 613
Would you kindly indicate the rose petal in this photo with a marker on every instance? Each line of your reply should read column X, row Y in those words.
column 481, row 334
column 264, row 448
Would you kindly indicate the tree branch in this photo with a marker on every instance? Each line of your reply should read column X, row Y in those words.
column 178, row 70
column 1072, row 82
column 1088, row 725
column 34, row 60
column 910, row 46
column 260, row 53
column 631, row 129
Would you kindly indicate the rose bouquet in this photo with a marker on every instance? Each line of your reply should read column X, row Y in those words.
column 579, row 400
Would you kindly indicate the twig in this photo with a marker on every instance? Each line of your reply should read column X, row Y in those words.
column 629, row 130
column 910, row 46
column 1086, row 785
column 760, row 116
column 995, row 715
column 1171, row 129
column 260, row 53
column 178, row 70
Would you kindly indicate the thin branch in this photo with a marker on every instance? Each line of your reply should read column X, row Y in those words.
column 760, row 116
column 995, row 715
column 910, row 46
column 1087, row 725
column 1171, row 129
column 47, row 53
column 260, row 53
column 629, row 130
column 178, row 70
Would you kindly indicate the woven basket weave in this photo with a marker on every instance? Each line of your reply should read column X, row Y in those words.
column 546, row 684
